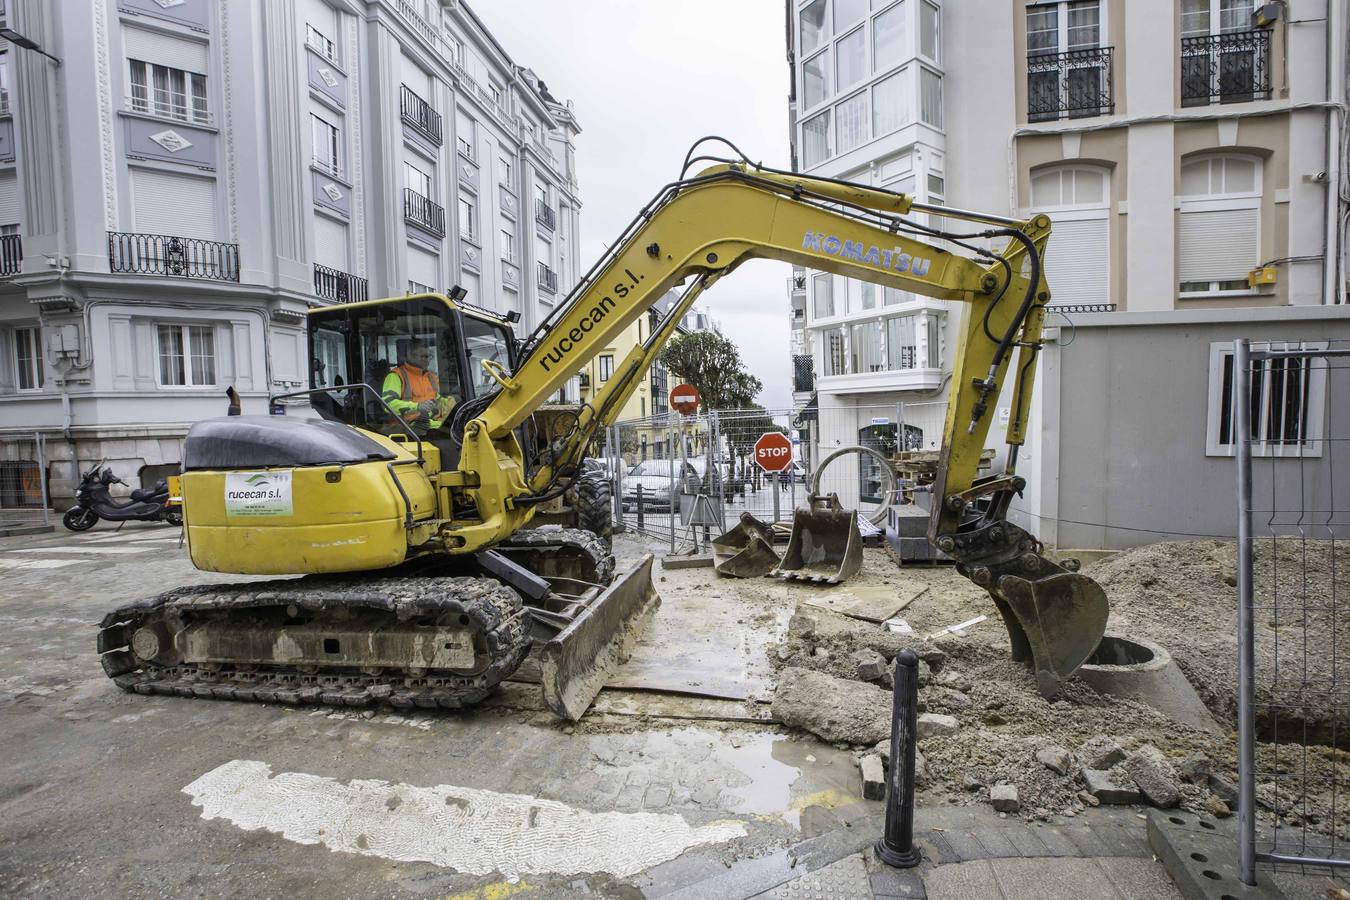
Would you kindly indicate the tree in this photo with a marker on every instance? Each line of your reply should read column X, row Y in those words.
column 712, row 364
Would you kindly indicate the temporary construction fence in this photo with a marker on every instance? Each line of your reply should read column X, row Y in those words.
column 684, row 478
column 23, row 481
column 1285, row 413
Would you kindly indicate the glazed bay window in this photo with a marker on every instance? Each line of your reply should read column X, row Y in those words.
column 892, row 107
column 816, row 140
column 814, row 28
column 28, row 358
column 850, row 117
column 865, row 347
column 930, row 97
column 187, row 355
column 850, row 59
column 902, row 346
column 822, row 286
column 816, row 80
column 836, row 363
column 164, row 91
column 888, row 37
column 327, row 142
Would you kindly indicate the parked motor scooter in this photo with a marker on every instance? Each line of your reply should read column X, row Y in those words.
column 93, row 502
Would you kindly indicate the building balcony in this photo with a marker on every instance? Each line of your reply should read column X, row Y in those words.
column 11, row 254
column 548, row 279
column 164, row 254
column 803, row 373
column 423, row 212
column 418, row 114
column 545, row 215
column 340, row 287
column 1227, row 68
column 1071, row 85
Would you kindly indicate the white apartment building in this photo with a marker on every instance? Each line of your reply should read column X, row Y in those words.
column 1177, row 145
column 194, row 175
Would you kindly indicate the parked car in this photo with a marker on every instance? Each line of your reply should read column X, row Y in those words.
column 654, row 475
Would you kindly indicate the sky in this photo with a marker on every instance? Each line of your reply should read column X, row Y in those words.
column 647, row 80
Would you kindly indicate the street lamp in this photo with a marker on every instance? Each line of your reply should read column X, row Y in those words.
column 19, row 40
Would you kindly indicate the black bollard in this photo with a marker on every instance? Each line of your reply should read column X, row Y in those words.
column 896, row 847
column 639, row 508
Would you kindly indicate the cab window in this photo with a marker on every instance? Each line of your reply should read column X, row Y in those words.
column 485, row 341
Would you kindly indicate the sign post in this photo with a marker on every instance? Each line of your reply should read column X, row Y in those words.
column 773, row 453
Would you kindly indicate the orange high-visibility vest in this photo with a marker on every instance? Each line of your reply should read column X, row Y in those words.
column 418, row 385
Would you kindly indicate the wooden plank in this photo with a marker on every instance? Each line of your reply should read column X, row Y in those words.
column 870, row 603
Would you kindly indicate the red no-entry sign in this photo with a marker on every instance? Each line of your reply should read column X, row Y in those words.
column 684, row 399
column 773, row 451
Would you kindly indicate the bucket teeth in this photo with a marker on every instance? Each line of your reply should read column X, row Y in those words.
column 1057, row 621
column 825, row 545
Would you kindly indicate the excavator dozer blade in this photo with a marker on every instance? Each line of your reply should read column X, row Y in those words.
column 745, row 551
column 575, row 664
column 1057, row 621
column 825, row 545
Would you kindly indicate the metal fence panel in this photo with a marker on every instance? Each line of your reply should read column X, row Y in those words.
column 23, row 480
column 1284, row 410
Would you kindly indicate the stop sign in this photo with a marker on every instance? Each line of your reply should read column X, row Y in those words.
column 684, row 399
column 773, row 451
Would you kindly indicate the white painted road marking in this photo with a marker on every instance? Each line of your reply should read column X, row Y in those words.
column 98, row 550
column 36, row 563
column 472, row 831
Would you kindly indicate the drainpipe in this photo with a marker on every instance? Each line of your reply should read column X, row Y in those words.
column 1335, row 95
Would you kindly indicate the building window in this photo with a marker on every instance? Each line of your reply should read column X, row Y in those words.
column 930, row 38
column 822, row 287
column 416, row 180
column 892, row 108
column 321, row 43
column 173, row 93
column 836, row 363
column 850, row 119
column 468, row 218
column 865, row 347
column 888, row 37
column 327, row 144
column 1078, row 260
column 850, row 59
column 4, row 84
column 417, row 287
column 505, row 172
column 816, row 80
column 1068, row 69
column 464, row 134
column 816, row 139
column 1288, row 402
column 508, row 245
column 1222, row 57
column 28, row 358
column 930, row 97
column 1219, row 223
column 187, row 355
column 606, row 366
column 902, row 345
column 814, row 29
column 934, row 328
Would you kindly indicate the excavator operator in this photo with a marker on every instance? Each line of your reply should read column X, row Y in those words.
column 414, row 392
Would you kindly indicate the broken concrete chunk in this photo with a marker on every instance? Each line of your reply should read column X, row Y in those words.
column 936, row 725
column 1224, row 789
column 872, row 666
column 1087, row 799
column 834, row 709
column 845, row 635
column 883, row 749
column 1103, row 787
column 948, row 698
column 1217, row 808
column 920, row 767
column 1004, row 797
column 1100, row 752
column 873, row 777
column 1195, row 769
column 1056, row 759
column 1153, row 779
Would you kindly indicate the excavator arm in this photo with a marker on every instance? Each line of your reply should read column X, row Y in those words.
column 703, row 227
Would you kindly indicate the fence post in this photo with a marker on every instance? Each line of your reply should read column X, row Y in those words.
column 671, row 438
column 41, row 441
column 639, row 507
column 1246, row 633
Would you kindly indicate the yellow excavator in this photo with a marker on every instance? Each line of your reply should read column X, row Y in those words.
column 426, row 584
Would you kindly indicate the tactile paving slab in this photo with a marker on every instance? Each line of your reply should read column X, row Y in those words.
column 844, row 880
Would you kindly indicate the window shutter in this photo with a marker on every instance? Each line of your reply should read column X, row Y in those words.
column 173, row 204
column 1219, row 245
column 1077, row 262
column 11, row 204
column 165, row 50
column 424, row 268
column 330, row 243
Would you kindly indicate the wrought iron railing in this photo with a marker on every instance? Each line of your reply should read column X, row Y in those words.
column 803, row 372
column 419, row 114
column 341, row 287
column 423, row 211
column 166, row 254
column 1072, row 84
column 1229, row 68
column 545, row 215
column 11, row 254
column 548, row 279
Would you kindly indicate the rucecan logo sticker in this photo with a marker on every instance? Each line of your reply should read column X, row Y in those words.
column 258, row 493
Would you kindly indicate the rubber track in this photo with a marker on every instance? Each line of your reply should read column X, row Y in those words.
column 578, row 540
column 495, row 608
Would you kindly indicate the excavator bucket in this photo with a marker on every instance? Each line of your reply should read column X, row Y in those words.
column 825, row 545
column 575, row 664
column 745, row 551
column 1054, row 622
